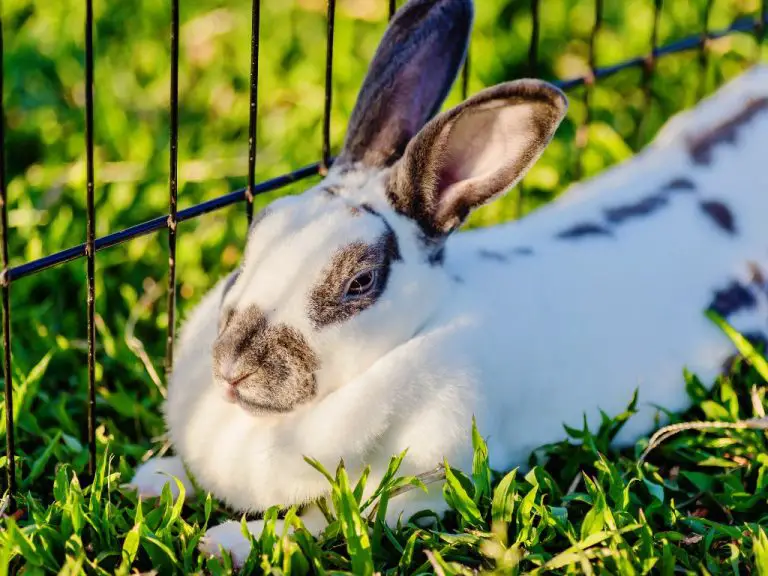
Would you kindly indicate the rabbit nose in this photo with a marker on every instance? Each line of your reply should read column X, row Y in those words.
column 234, row 379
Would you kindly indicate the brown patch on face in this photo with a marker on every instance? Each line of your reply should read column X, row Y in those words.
column 328, row 301
column 273, row 365
column 720, row 215
column 700, row 147
column 583, row 230
column 641, row 208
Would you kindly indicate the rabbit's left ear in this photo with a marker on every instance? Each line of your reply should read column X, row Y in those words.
column 474, row 152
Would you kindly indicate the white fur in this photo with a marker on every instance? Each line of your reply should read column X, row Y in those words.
column 525, row 346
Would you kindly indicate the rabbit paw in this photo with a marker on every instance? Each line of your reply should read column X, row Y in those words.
column 155, row 473
column 228, row 537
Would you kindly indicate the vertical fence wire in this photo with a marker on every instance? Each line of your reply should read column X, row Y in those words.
column 649, row 67
column 533, row 47
column 533, row 72
column 582, row 134
column 326, row 160
column 760, row 19
column 255, row 21
column 465, row 77
column 173, row 186
column 10, row 444
column 90, row 247
column 704, row 52
column 392, row 8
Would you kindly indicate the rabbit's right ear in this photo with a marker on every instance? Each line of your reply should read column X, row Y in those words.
column 408, row 80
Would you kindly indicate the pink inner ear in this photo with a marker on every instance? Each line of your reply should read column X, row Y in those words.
column 482, row 154
column 446, row 177
column 486, row 144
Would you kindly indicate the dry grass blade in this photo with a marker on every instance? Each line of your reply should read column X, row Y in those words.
column 150, row 296
column 668, row 431
column 436, row 475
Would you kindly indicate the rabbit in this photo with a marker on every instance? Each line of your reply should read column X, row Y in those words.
column 362, row 322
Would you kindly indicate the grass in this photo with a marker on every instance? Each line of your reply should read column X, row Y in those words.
column 697, row 504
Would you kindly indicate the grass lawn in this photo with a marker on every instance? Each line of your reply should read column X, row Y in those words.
column 698, row 504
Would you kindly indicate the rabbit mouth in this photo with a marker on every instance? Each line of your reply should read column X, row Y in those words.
column 260, row 400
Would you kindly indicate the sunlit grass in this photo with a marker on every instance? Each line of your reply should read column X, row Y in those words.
column 697, row 504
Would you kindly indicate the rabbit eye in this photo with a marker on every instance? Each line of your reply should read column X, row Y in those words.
column 361, row 285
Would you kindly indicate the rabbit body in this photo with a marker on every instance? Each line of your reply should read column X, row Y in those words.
column 604, row 290
column 359, row 326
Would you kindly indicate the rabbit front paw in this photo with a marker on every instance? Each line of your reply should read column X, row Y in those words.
column 228, row 537
column 155, row 473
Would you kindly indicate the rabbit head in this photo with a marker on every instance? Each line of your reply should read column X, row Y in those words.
column 336, row 277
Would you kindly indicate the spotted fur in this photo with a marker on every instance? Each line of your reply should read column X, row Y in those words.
column 524, row 345
column 583, row 230
column 732, row 299
column 720, row 214
column 701, row 145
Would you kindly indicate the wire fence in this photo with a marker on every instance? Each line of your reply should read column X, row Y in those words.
column 699, row 42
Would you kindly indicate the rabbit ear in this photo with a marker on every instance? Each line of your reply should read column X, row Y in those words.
column 409, row 77
column 474, row 152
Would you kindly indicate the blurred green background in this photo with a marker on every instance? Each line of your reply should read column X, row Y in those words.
column 44, row 95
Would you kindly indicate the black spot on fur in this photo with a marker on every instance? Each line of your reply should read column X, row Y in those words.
column 732, row 299
column 523, row 251
column 679, row 185
column 492, row 255
column 327, row 302
column 639, row 209
column 720, row 215
column 436, row 257
column 273, row 364
column 583, row 230
column 371, row 210
column 701, row 147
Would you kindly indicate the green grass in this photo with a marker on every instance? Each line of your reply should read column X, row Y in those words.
column 697, row 504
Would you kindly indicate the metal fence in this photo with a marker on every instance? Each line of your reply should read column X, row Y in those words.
column 697, row 42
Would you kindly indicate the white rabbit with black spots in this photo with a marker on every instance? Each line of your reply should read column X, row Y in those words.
column 361, row 323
